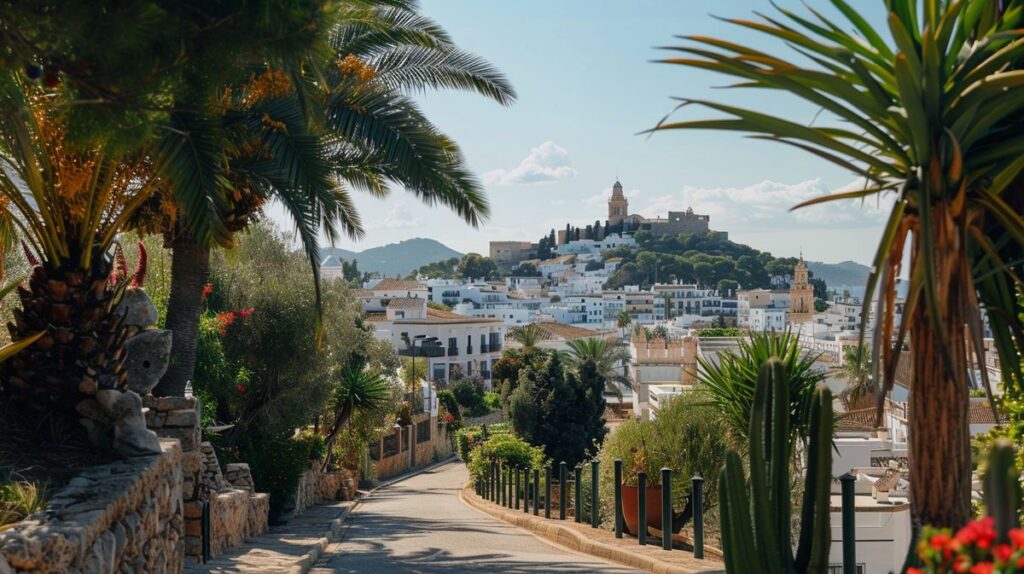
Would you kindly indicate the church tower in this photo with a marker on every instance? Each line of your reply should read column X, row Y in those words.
column 618, row 207
column 801, row 295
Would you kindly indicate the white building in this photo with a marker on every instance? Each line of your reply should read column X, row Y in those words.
column 592, row 247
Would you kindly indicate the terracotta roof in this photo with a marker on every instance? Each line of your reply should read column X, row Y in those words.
column 406, row 303
column 397, row 285
column 980, row 413
column 566, row 332
column 362, row 293
column 442, row 316
column 375, row 317
column 860, row 420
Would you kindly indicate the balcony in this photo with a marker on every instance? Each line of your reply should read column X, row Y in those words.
column 453, row 351
column 484, row 348
column 422, row 351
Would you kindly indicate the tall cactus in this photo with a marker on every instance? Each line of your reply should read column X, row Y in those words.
column 756, row 529
column 1002, row 488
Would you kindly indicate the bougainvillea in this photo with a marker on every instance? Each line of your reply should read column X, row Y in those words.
column 974, row 549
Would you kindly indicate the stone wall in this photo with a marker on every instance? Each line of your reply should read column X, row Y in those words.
column 121, row 517
column 412, row 451
column 316, row 486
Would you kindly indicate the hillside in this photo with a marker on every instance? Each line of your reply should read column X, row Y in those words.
column 396, row 258
column 845, row 273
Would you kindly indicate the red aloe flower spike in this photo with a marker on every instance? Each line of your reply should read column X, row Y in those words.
column 139, row 278
column 207, row 290
column 32, row 261
column 120, row 265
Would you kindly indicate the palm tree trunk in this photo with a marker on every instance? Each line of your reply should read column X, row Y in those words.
column 940, row 458
column 339, row 423
column 190, row 270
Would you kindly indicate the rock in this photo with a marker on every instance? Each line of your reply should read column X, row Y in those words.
column 124, row 408
column 138, row 309
column 135, row 441
column 147, row 356
column 91, row 409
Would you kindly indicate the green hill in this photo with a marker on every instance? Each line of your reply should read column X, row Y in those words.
column 395, row 258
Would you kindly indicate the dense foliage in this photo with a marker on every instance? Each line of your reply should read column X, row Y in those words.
column 560, row 409
column 707, row 259
column 469, row 266
column 508, row 449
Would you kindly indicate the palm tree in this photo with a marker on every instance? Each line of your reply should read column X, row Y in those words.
column 608, row 357
column 357, row 390
column 311, row 129
column 622, row 320
column 930, row 118
column 527, row 335
column 860, row 391
column 659, row 332
column 68, row 206
column 731, row 379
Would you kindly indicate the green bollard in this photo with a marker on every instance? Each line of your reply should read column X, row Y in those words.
column 641, row 493
column 618, row 498
column 563, row 490
column 849, row 522
column 547, row 491
column 578, row 492
column 698, row 517
column 594, row 480
column 666, row 509
column 517, row 488
column 536, row 491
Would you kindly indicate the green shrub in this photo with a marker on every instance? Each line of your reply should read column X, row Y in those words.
column 721, row 332
column 276, row 464
column 19, row 499
column 492, row 400
column 507, row 449
column 468, row 394
column 467, row 438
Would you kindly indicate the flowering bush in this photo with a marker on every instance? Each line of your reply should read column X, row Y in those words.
column 972, row 550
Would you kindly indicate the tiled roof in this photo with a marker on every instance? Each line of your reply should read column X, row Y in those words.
column 980, row 413
column 448, row 317
column 406, row 303
column 860, row 420
column 397, row 285
column 565, row 332
column 375, row 317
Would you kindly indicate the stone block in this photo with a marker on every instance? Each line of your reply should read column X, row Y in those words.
column 182, row 418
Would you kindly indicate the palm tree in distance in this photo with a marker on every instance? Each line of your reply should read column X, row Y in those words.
column 306, row 131
column 607, row 355
column 860, row 391
column 527, row 335
column 622, row 320
column 930, row 118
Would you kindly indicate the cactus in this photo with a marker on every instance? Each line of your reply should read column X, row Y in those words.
column 1002, row 488
column 756, row 532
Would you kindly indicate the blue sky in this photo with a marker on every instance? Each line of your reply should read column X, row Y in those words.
column 586, row 88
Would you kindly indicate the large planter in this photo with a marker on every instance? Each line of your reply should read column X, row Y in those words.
column 630, row 507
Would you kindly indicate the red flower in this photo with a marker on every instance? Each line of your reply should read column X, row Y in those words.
column 225, row 319
column 448, row 417
column 982, row 568
column 1002, row 553
column 207, row 289
column 244, row 313
column 913, row 570
column 940, row 540
column 1017, row 537
column 139, row 278
column 240, row 388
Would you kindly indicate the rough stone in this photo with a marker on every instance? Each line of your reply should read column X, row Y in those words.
column 135, row 441
column 147, row 356
column 123, row 407
column 138, row 309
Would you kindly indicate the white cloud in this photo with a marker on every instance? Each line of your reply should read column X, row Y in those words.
column 545, row 163
column 766, row 205
column 398, row 216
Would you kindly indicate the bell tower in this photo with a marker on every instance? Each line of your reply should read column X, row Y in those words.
column 618, row 207
column 801, row 295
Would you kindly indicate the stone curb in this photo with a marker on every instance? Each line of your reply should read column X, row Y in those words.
column 571, row 538
column 335, row 532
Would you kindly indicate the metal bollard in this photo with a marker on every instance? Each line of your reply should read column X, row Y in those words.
column 509, row 487
column 501, row 484
column 578, row 492
column 204, row 526
column 666, row 509
column 618, row 498
column 517, row 488
column 547, row 492
column 594, row 518
column 698, row 517
column 526, row 490
column 849, row 523
column 563, row 490
column 641, row 493
column 536, row 491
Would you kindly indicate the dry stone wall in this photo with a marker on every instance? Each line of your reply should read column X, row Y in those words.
column 123, row 517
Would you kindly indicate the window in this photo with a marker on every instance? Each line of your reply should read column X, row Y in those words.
column 423, row 431
column 391, row 444
column 439, row 372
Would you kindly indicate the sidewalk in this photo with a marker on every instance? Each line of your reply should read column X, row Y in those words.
column 291, row 548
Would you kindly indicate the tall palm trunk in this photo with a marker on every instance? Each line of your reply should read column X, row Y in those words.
column 940, row 458
column 190, row 270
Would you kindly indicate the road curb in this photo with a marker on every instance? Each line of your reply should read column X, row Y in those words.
column 338, row 527
column 571, row 538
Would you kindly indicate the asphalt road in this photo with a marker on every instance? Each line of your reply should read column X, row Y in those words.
column 419, row 525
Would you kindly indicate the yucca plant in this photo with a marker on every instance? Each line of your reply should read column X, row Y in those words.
column 357, row 389
column 731, row 379
column 929, row 116
column 756, row 528
column 68, row 205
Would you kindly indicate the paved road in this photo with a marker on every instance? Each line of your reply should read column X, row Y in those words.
column 420, row 526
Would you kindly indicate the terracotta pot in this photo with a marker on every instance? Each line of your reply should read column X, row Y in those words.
column 630, row 507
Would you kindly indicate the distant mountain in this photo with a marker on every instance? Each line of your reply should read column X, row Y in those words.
column 396, row 258
column 843, row 274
